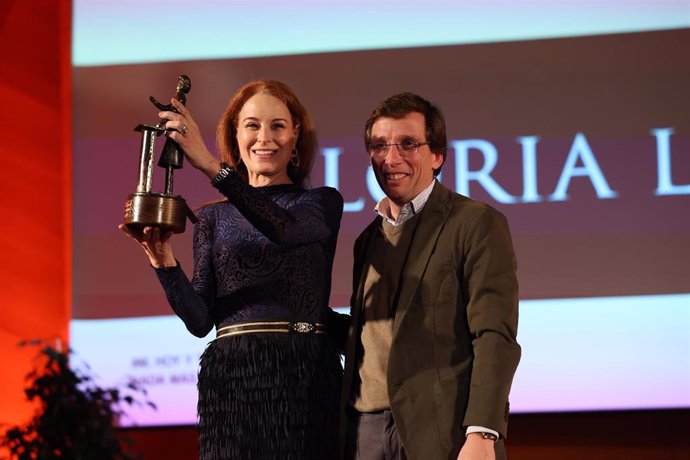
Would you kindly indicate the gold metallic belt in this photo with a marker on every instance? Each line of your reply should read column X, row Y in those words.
column 284, row 327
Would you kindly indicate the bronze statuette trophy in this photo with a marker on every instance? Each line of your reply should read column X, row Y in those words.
column 163, row 210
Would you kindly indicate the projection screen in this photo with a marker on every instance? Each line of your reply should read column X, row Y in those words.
column 571, row 118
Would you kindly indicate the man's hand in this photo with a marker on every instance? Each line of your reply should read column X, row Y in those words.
column 477, row 448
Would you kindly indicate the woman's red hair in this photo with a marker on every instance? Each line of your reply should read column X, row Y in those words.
column 306, row 138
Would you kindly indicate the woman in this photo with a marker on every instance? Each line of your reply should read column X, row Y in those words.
column 269, row 382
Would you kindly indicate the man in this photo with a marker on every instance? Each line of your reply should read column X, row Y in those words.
column 432, row 347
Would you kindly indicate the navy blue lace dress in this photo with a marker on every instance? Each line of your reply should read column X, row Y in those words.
column 265, row 255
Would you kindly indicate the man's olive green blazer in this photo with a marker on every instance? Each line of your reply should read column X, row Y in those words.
column 454, row 349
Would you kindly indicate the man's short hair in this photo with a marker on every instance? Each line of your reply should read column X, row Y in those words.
column 399, row 105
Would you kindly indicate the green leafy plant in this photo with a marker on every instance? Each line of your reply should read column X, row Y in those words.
column 76, row 419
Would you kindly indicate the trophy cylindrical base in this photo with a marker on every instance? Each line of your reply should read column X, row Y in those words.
column 169, row 213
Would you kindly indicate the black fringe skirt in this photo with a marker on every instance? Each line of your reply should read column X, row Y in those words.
column 269, row 396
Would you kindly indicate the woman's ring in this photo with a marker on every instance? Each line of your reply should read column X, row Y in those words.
column 184, row 129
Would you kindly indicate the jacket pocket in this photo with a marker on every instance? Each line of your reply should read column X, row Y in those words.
column 450, row 397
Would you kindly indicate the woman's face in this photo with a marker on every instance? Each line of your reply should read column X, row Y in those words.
column 266, row 137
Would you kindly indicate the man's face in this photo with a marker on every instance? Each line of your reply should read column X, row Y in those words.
column 403, row 174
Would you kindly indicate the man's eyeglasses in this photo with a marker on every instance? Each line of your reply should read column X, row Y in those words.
column 406, row 147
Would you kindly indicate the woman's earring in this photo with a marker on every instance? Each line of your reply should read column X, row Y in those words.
column 236, row 152
column 294, row 158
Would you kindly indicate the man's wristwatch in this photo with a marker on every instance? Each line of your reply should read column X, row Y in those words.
column 486, row 435
column 225, row 170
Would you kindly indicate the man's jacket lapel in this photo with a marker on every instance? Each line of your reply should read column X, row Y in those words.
column 426, row 234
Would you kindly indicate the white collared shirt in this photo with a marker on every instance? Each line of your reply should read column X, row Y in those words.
column 408, row 210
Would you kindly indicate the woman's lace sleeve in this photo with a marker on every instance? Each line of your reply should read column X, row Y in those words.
column 314, row 216
column 193, row 301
